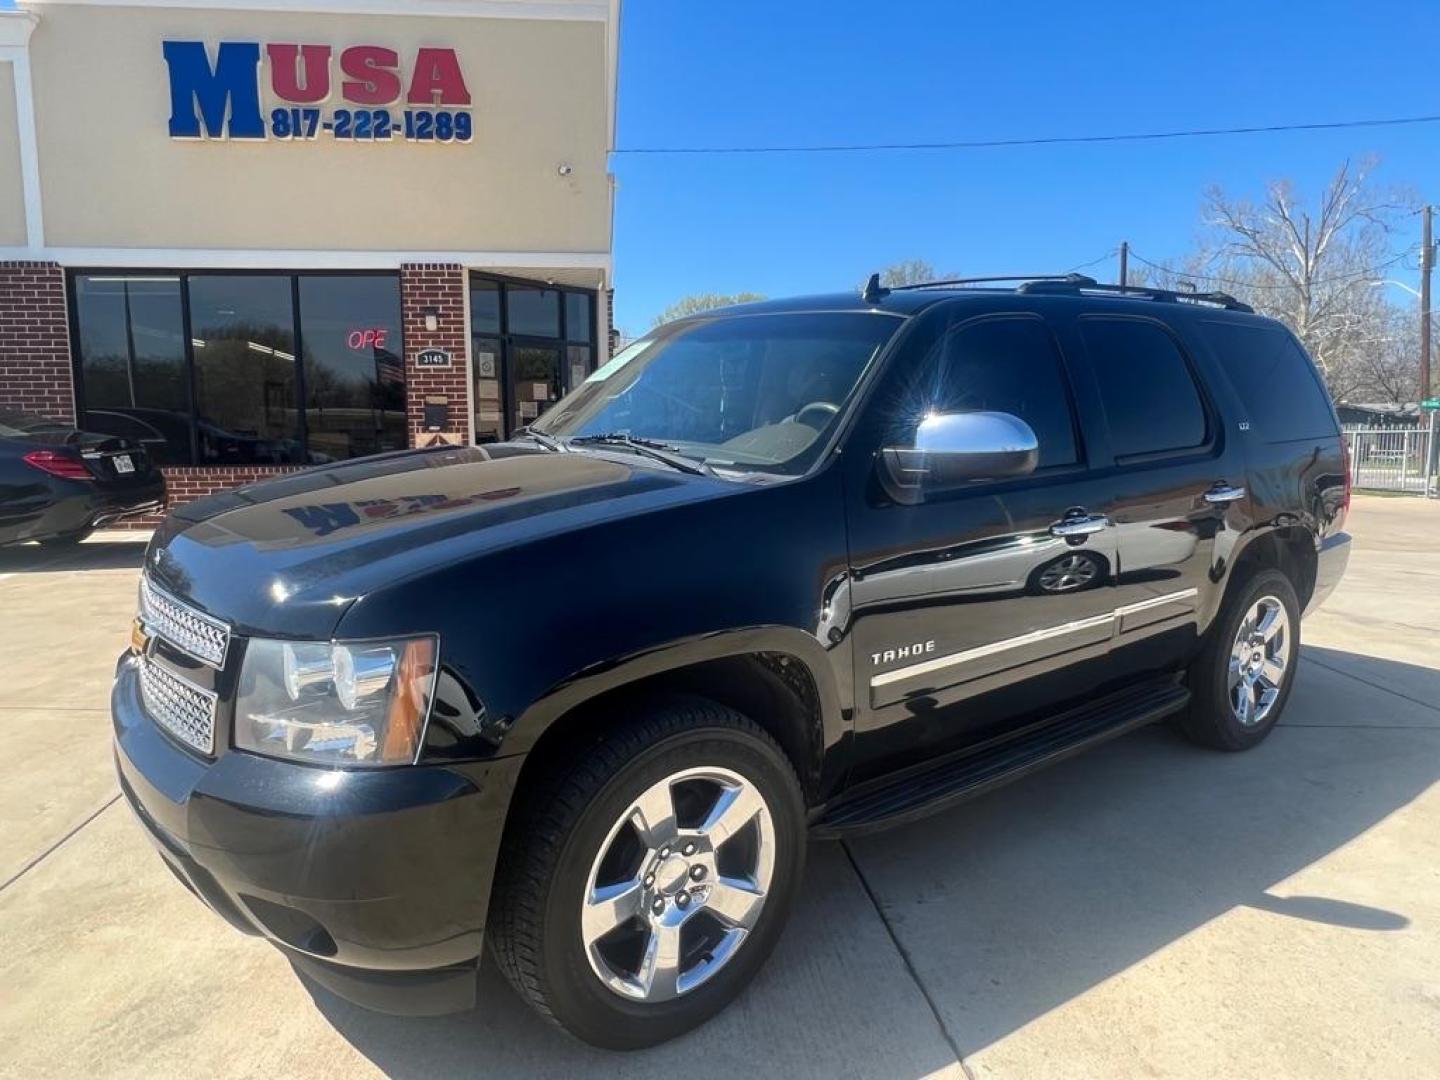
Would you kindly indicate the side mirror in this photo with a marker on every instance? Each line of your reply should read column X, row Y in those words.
column 952, row 449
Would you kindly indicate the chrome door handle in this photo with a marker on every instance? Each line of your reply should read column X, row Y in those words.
column 1224, row 493
column 1080, row 526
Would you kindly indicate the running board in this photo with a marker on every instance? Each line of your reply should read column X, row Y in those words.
column 935, row 786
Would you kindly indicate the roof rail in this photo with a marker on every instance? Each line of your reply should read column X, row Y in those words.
column 1071, row 279
column 1060, row 285
column 1063, row 283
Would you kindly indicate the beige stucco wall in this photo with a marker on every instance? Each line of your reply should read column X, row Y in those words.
column 12, row 198
column 112, row 177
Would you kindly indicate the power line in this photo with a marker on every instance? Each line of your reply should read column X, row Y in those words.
column 1369, row 272
column 1050, row 140
column 1085, row 266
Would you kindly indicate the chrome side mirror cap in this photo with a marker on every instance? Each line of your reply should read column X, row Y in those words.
column 953, row 449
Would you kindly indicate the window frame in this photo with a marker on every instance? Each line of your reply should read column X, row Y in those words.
column 1208, row 409
column 183, row 276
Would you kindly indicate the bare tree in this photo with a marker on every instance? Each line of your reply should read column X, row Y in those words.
column 1313, row 269
column 1386, row 368
column 696, row 302
column 909, row 272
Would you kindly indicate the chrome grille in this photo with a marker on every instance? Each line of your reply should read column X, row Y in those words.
column 181, row 708
column 192, row 632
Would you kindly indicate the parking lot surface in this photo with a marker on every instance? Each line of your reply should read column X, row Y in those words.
column 1148, row 909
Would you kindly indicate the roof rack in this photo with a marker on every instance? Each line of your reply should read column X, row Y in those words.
column 1080, row 283
column 992, row 280
column 1066, row 283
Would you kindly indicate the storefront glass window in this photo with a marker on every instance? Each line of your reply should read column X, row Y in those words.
column 579, row 320
column 243, row 335
column 137, row 363
column 533, row 312
column 354, row 366
column 484, row 306
column 132, row 361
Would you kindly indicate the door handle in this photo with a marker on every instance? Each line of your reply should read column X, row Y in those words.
column 1224, row 493
column 1086, row 525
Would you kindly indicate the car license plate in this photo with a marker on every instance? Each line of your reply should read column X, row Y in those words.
column 123, row 464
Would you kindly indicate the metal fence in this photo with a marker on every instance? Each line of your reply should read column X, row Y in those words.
column 1395, row 458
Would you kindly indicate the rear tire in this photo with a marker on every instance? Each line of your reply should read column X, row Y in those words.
column 1242, row 679
column 627, row 927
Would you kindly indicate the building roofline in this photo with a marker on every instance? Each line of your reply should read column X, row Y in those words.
column 575, row 10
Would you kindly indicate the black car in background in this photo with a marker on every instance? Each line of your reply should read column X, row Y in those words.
column 804, row 568
column 58, row 483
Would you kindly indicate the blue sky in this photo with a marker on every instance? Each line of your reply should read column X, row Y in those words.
column 824, row 71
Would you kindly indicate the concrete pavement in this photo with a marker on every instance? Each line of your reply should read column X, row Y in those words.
column 1147, row 909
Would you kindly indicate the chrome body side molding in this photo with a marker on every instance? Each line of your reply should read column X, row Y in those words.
column 1112, row 619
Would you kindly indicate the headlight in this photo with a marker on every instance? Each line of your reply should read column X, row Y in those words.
column 335, row 703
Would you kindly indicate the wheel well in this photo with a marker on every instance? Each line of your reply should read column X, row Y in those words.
column 1289, row 550
column 776, row 690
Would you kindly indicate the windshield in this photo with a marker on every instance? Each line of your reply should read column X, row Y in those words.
column 755, row 392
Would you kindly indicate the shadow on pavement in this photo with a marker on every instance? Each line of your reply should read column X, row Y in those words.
column 1013, row 904
column 108, row 554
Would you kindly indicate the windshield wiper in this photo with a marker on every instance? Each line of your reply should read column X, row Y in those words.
column 540, row 437
column 659, row 451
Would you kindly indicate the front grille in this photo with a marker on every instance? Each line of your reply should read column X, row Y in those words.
column 181, row 708
column 192, row 632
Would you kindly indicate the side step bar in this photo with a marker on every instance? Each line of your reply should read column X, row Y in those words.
column 935, row 786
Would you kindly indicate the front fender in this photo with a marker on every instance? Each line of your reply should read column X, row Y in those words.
column 613, row 675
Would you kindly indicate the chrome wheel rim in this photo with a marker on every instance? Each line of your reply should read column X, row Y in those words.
column 1259, row 660
column 1071, row 572
column 678, row 884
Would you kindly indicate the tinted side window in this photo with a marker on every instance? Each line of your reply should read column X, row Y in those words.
column 1151, row 403
column 1280, row 388
column 1008, row 365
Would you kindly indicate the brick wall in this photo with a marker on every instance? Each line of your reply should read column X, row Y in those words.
column 440, row 286
column 186, row 483
column 35, row 370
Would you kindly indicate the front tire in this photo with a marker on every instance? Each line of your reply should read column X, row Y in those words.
column 1242, row 679
column 643, row 883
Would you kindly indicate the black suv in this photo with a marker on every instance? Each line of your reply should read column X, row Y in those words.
column 786, row 570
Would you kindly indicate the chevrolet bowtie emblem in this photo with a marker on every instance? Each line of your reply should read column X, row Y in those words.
column 139, row 639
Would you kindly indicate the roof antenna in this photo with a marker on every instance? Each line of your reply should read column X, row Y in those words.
column 873, row 290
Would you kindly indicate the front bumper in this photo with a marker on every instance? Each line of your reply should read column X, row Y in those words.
column 375, row 883
column 1330, row 562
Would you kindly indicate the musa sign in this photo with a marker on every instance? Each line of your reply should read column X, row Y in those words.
column 221, row 99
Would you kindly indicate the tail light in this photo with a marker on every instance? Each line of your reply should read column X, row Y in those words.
column 58, row 463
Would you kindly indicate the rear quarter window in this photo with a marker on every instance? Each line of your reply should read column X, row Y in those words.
column 1279, row 386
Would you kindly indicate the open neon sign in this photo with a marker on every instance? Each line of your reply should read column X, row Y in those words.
column 368, row 338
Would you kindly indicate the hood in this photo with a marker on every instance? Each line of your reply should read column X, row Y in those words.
column 288, row 556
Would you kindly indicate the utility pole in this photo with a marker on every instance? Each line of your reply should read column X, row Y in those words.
column 1125, row 261
column 1427, row 264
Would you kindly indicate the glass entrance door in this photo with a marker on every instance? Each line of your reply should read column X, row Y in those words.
column 531, row 344
column 535, row 381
